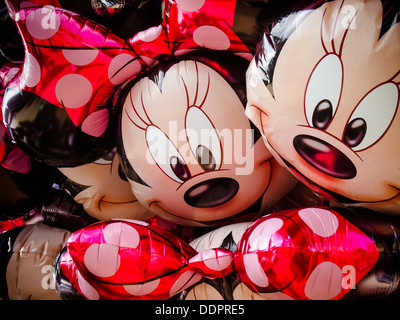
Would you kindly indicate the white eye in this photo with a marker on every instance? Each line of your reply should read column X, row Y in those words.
column 166, row 155
column 203, row 139
column 323, row 91
column 372, row 117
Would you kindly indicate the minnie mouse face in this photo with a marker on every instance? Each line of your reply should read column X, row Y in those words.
column 331, row 112
column 103, row 190
column 190, row 153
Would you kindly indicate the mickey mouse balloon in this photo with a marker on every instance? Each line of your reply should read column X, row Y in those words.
column 324, row 90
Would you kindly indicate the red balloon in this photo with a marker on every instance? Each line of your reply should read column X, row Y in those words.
column 304, row 254
column 127, row 259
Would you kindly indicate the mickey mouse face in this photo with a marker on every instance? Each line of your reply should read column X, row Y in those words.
column 331, row 112
column 190, row 152
column 103, row 190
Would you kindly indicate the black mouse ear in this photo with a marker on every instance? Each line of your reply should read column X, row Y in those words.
column 46, row 132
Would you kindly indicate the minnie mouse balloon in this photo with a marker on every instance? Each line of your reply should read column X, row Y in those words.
column 324, row 90
column 187, row 161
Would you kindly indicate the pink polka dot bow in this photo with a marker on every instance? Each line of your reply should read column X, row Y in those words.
column 77, row 65
column 301, row 253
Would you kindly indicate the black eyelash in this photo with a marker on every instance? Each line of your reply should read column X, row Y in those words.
column 197, row 90
column 146, row 123
column 133, row 122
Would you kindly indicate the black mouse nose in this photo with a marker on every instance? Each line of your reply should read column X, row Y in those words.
column 211, row 193
column 324, row 157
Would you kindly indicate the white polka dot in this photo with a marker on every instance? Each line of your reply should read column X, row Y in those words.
column 245, row 55
column 212, row 261
column 325, row 282
column 43, row 23
column 122, row 67
column 181, row 52
column 149, row 61
column 26, row 4
column 73, row 90
column 254, row 271
column 96, row 123
column 260, row 237
column 150, row 34
column 142, row 289
column 102, row 260
column 219, row 264
column 211, row 37
column 122, row 235
column 190, row 5
column 86, row 288
column 80, row 57
column 10, row 74
column 32, row 72
column 322, row 222
column 138, row 222
column 185, row 280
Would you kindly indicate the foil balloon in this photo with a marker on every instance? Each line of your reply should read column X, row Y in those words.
column 324, row 90
column 73, row 67
column 58, row 107
column 311, row 253
column 26, row 257
column 11, row 46
column 84, row 194
column 103, row 190
column 186, row 160
column 123, row 17
column 11, row 157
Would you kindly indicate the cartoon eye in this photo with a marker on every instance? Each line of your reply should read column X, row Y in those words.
column 203, row 139
column 106, row 158
column 323, row 92
column 205, row 158
column 166, row 155
column 372, row 117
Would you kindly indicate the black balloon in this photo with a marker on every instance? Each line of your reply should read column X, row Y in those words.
column 47, row 133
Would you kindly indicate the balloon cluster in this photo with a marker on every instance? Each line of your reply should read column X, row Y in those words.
column 202, row 149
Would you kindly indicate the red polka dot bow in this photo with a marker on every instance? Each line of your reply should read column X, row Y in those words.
column 77, row 65
column 311, row 253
